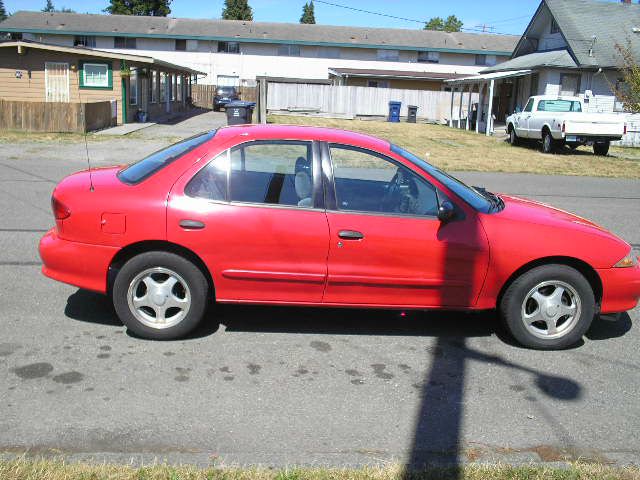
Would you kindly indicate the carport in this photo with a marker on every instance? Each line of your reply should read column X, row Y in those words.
column 486, row 85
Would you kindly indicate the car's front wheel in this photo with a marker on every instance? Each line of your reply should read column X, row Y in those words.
column 513, row 137
column 549, row 307
column 160, row 295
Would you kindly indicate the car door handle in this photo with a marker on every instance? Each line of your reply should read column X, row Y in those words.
column 191, row 224
column 350, row 235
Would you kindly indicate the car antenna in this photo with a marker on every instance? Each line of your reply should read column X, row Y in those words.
column 84, row 129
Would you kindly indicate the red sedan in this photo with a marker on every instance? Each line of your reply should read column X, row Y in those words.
column 312, row 216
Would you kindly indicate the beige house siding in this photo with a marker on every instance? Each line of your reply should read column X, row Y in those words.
column 31, row 86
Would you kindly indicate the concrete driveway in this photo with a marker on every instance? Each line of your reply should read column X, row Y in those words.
column 275, row 386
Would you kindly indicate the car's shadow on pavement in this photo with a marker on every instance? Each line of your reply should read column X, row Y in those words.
column 95, row 308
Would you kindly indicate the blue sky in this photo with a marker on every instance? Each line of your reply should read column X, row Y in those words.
column 506, row 16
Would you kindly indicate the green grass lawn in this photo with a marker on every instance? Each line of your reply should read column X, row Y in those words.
column 22, row 469
column 459, row 150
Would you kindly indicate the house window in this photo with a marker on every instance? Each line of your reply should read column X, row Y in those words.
column 388, row 55
column 174, row 83
column 84, row 41
column 429, row 57
column 153, row 86
column 95, row 75
column 133, row 88
column 179, row 87
column 378, row 83
column 569, row 84
column 181, row 45
column 286, row 50
column 328, row 52
column 124, row 42
column 192, row 45
column 163, row 86
column 228, row 47
column 484, row 59
column 554, row 27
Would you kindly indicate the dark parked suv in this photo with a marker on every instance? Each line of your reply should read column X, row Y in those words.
column 223, row 96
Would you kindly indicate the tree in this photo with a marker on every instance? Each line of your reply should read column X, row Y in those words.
column 451, row 24
column 49, row 7
column 308, row 15
column 3, row 12
column 154, row 8
column 237, row 10
column 627, row 89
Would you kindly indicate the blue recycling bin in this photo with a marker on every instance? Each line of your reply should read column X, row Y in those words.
column 394, row 111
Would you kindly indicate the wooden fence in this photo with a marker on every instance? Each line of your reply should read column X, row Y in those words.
column 202, row 95
column 364, row 101
column 54, row 116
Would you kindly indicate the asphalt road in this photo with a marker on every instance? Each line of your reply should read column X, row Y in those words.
column 272, row 386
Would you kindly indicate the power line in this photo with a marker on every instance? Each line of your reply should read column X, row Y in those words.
column 400, row 18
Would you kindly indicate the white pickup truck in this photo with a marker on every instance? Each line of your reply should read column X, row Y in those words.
column 560, row 120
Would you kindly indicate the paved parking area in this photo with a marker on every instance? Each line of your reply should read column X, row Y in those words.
column 280, row 386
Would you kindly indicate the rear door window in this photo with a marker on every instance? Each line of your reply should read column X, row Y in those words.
column 272, row 172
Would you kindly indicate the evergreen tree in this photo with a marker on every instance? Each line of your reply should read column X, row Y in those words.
column 155, row 8
column 49, row 7
column 308, row 15
column 3, row 12
column 237, row 10
column 451, row 24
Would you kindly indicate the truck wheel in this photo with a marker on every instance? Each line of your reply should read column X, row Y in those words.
column 601, row 148
column 548, row 143
column 513, row 137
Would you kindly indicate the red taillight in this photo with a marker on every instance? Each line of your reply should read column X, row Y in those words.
column 60, row 210
column 563, row 127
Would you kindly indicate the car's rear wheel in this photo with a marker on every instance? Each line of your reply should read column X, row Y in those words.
column 548, row 143
column 160, row 295
column 601, row 148
column 513, row 137
column 549, row 307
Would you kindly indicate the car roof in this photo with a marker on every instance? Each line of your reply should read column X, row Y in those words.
column 557, row 97
column 302, row 132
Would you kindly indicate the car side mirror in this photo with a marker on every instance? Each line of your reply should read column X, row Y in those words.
column 446, row 211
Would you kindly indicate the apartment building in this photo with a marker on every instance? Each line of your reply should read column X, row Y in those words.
column 236, row 52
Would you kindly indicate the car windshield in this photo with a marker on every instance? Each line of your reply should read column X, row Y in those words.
column 561, row 106
column 466, row 193
column 225, row 90
column 160, row 159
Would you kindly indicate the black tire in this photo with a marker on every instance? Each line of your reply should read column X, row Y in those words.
column 216, row 108
column 601, row 148
column 196, row 292
column 513, row 137
column 548, row 143
column 512, row 305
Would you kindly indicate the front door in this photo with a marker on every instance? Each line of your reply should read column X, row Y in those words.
column 251, row 215
column 387, row 246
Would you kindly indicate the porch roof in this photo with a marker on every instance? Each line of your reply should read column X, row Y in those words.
column 486, row 77
column 550, row 59
column 100, row 54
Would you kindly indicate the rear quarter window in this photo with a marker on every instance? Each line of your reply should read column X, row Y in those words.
column 155, row 162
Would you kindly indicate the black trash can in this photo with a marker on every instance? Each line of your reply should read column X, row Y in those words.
column 394, row 111
column 239, row 113
column 413, row 113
